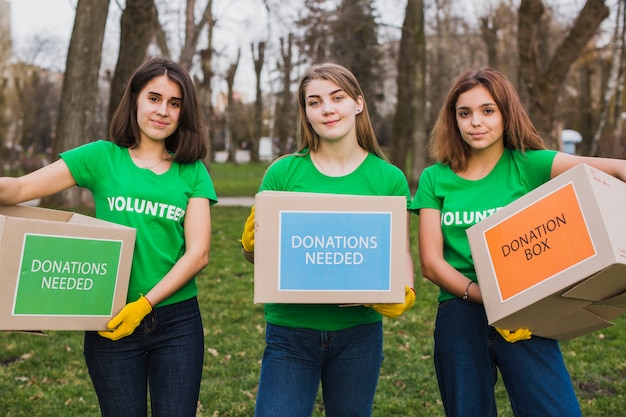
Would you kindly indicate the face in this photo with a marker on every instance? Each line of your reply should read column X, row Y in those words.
column 331, row 111
column 480, row 120
column 158, row 109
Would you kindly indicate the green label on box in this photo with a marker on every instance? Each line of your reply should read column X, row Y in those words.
column 67, row 276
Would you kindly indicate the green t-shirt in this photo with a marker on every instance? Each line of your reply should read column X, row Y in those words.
column 153, row 204
column 463, row 203
column 297, row 173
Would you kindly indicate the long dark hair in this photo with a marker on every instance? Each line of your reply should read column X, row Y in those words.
column 188, row 143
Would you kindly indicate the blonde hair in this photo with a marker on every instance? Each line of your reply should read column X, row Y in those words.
column 337, row 74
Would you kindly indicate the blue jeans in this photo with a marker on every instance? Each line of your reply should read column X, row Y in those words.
column 295, row 360
column 164, row 354
column 468, row 353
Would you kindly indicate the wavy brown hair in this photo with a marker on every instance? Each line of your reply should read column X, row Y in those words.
column 337, row 74
column 188, row 143
column 446, row 144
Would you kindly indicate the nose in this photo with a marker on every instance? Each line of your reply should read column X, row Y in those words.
column 163, row 108
column 327, row 107
column 475, row 119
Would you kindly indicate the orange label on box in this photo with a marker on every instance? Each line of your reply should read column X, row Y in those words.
column 538, row 242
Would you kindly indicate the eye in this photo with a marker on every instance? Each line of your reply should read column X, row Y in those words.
column 338, row 98
column 489, row 111
column 463, row 114
column 312, row 103
column 153, row 98
column 175, row 103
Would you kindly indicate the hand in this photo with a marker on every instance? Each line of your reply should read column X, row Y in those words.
column 515, row 335
column 247, row 238
column 396, row 310
column 128, row 319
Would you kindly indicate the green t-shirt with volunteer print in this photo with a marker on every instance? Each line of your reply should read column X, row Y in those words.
column 153, row 204
column 297, row 173
column 463, row 202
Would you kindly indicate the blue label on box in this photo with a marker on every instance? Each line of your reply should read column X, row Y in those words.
column 335, row 251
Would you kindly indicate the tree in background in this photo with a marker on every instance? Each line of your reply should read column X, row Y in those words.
column 80, row 86
column 355, row 45
column 348, row 32
column 257, row 131
column 611, row 109
column 231, row 144
column 409, row 123
column 138, row 25
column 314, row 24
column 285, row 107
column 543, row 78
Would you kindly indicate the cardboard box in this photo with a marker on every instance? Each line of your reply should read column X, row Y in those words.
column 554, row 261
column 61, row 270
column 329, row 249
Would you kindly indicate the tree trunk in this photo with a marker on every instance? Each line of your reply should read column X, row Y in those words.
column 80, row 87
column 193, row 31
column 230, row 81
column 257, row 126
column 409, row 124
column 138, row 24
column 419, row 155
column 204, row 86
column 544, row 79
column 284, row 107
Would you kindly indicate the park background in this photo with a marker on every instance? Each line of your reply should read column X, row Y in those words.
column 566, row 57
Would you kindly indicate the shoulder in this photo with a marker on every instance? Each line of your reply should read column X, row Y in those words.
column 538, row 155
column 97, row 149
column 287, row 162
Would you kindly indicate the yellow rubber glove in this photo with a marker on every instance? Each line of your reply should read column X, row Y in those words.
column 515, row 335
column 396, row 310
column 247, row 238
column 127, row 320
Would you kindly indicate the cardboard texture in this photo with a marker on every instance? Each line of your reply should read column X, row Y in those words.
column 329, row 249
column 61, row 270
column 554, row 261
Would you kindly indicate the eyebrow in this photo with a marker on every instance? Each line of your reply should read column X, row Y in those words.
column 154, row 93
column 331, row 93
column 488, row 104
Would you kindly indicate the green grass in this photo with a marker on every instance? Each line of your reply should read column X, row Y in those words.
column 46, row 375
column 236, row 180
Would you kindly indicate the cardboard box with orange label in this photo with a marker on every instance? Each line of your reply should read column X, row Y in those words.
column 329, row 249
column 554, row 261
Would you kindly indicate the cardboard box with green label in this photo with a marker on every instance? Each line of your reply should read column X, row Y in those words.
column 61, row 270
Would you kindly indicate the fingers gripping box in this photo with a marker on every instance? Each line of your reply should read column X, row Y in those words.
column 61, row 270
column 554, row 261
column 329, row 249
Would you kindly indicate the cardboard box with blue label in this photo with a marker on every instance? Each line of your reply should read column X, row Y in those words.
column 554, row 261
column 61, row 270
column 329, row 249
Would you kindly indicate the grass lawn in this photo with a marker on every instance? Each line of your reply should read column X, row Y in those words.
column 46, row 375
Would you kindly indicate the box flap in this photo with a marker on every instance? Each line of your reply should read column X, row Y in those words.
column 540, row 314
column 574, row 325
column 35, row 213
column 605, row 284
column 618, row 301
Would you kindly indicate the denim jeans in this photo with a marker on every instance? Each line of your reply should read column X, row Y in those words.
column 163, row 355
column 347, row 362
column 468, row 353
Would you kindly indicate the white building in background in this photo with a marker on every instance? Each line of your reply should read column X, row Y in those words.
column 569, row 139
